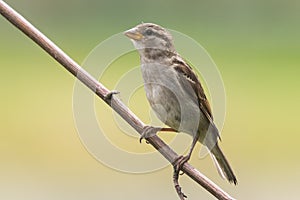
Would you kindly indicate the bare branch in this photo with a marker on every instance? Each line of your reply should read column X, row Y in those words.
column 22, row 24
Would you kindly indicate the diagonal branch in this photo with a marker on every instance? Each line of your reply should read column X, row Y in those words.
column 22, row 24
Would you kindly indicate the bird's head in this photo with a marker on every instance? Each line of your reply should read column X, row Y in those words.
column 148, row 35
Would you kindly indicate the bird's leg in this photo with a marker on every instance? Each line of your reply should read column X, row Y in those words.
column 109, row 95
column 182, row 159
column 178, row 163
column 149, row 131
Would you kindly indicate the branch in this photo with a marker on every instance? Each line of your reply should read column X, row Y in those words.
column 22, row 24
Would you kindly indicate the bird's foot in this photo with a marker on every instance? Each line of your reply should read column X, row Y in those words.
column 179, row 162
column 149, row 131
column 109, row 95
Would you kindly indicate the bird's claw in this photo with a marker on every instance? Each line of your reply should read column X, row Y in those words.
column 149, row 131
column 179, row 162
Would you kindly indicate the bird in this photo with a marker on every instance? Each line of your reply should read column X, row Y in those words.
column 175, row 94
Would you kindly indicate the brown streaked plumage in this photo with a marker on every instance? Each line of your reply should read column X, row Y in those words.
column 175, row 93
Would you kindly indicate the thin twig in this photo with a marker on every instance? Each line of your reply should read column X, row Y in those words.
column 22, row 24
column 181, row 195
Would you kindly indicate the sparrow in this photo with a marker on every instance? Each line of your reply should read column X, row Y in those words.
column 175, row 93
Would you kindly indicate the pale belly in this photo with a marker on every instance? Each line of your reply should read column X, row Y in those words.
column 172, row 103
column 165, row 105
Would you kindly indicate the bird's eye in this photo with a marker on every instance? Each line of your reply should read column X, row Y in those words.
column 149, row 32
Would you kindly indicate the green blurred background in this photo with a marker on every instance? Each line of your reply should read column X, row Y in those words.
column 256, row 46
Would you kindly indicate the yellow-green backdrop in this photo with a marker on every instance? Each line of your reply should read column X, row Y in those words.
column 256, row 46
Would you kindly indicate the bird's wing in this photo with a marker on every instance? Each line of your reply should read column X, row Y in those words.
column 187, row 72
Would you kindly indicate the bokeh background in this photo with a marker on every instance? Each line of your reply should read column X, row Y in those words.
column 256, row 46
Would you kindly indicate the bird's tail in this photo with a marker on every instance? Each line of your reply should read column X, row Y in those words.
column 222, row 164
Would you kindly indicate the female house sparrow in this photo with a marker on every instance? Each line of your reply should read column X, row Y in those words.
column 175, row 93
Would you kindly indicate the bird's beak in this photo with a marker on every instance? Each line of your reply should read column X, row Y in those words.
column 133, row 34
